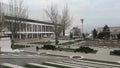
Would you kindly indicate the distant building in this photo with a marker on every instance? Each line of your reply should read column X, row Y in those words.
column 76, row 32
column 114, row 31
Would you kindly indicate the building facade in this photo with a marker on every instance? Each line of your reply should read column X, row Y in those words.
column 26, row 29
column 76, row 32
column 30, row 30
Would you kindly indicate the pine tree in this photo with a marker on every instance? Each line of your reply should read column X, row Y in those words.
column 106, row 32
column 94, row 33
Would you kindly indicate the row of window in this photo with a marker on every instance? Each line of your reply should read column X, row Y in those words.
column 22, row 27
column 23, row 36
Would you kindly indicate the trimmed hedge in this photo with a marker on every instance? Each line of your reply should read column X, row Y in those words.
column 67, row 43
column 49, row 47
column 19, row 46
column 78, row 40
column 115, row 52
column 85, row 50
column 44, row 43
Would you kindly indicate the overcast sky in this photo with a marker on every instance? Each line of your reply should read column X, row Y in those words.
column 96, row 13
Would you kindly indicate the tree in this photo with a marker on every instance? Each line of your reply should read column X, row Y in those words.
column 106, row 32
column 52, row 13
column 106, row 28
column 118, row 36
column 94, row 33
column 65, row 20
column 17, row 10
column 2, row 24
column 100, row 35
column 71, row 35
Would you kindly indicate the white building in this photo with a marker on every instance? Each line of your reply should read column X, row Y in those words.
column 31, row 29
column 28, row 29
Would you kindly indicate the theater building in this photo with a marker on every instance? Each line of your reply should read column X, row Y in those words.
column 28, row 29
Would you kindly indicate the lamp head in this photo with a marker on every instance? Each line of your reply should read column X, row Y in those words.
column 82, row 20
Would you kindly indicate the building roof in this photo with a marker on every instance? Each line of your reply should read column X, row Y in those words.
column 31, row 20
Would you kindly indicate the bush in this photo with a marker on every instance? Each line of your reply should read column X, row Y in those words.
column 43, row 43
column 49, row 47
column 115, row 52
column 78, row 40
column 19, row 46
column 85, row 50
column 67, row 43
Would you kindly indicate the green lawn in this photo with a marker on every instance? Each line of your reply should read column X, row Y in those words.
column 32, row 66
column 67, row 43
column 58, row 66
column 18, row 46
column 2, row 66
column 43, row 43
column 66, row 49
column 70, row 42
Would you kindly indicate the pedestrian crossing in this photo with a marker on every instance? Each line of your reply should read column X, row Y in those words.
column 71, row 63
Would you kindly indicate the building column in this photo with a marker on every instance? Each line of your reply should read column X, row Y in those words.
column 41, row 35
column 20, row 27
column 37, row 28
column 26, row 36
column 32, row 35
column 26, row 27
column 45, row 29
column 115, row 36
column 41, row 29
column 49, row 29
column 37, row 35
column 19, row 36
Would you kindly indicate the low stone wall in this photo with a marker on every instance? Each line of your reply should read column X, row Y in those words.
column 112, row 43
column 32, row 40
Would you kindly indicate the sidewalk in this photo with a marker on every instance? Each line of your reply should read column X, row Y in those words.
column 98, row 56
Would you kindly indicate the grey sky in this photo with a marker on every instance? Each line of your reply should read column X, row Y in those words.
column 96, row 13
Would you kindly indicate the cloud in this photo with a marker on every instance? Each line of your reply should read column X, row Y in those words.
column 95, row 12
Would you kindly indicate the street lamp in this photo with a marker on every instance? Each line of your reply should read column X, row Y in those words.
column 82, row 20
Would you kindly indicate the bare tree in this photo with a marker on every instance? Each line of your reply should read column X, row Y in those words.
column 66, row 19
column 2, row 24
column 17, row 10
column 53, row 14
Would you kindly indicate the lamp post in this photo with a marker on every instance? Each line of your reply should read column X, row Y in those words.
column 82, row 20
